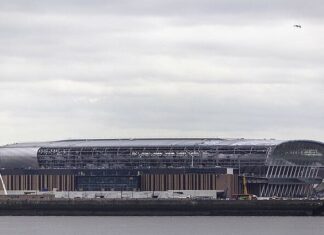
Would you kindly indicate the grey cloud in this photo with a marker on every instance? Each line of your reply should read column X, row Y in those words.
column 169, row 7
column 91, row 69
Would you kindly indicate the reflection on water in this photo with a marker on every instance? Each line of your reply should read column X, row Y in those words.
column 162, row 225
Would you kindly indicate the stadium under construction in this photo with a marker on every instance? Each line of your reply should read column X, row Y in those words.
column 270, row 167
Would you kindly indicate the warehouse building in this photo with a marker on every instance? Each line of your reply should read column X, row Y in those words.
column 271, row 167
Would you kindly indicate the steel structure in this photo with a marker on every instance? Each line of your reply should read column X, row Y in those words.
column 290, row 168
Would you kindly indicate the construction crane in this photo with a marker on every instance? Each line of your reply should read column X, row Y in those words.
column 245, row 195
column 245, row 191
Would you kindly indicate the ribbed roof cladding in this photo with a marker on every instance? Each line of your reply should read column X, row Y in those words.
column 25, row 155
column 149, row 142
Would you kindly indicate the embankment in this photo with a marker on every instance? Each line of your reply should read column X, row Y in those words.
column 160, row 207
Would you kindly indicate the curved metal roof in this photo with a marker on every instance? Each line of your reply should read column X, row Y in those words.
column 18, row 157
column 24, row 155
column 148, row 142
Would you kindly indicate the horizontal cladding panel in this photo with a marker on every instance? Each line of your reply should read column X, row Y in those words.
column 18, row 158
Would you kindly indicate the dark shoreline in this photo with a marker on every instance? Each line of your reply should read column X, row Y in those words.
column 159, row 207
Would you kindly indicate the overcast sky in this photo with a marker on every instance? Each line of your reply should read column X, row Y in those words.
column 163, row 68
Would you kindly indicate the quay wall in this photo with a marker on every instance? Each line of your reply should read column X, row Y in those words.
column 159, row 207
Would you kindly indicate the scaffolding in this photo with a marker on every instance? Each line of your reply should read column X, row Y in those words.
column 245, row 157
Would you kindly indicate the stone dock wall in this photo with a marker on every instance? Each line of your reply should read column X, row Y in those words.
column 159, row 207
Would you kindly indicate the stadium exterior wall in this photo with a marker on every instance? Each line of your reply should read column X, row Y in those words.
column 274, row 167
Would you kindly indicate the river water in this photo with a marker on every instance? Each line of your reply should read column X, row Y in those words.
column 161, row 225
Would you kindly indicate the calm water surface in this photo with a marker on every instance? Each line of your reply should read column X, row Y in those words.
column 162, row 225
